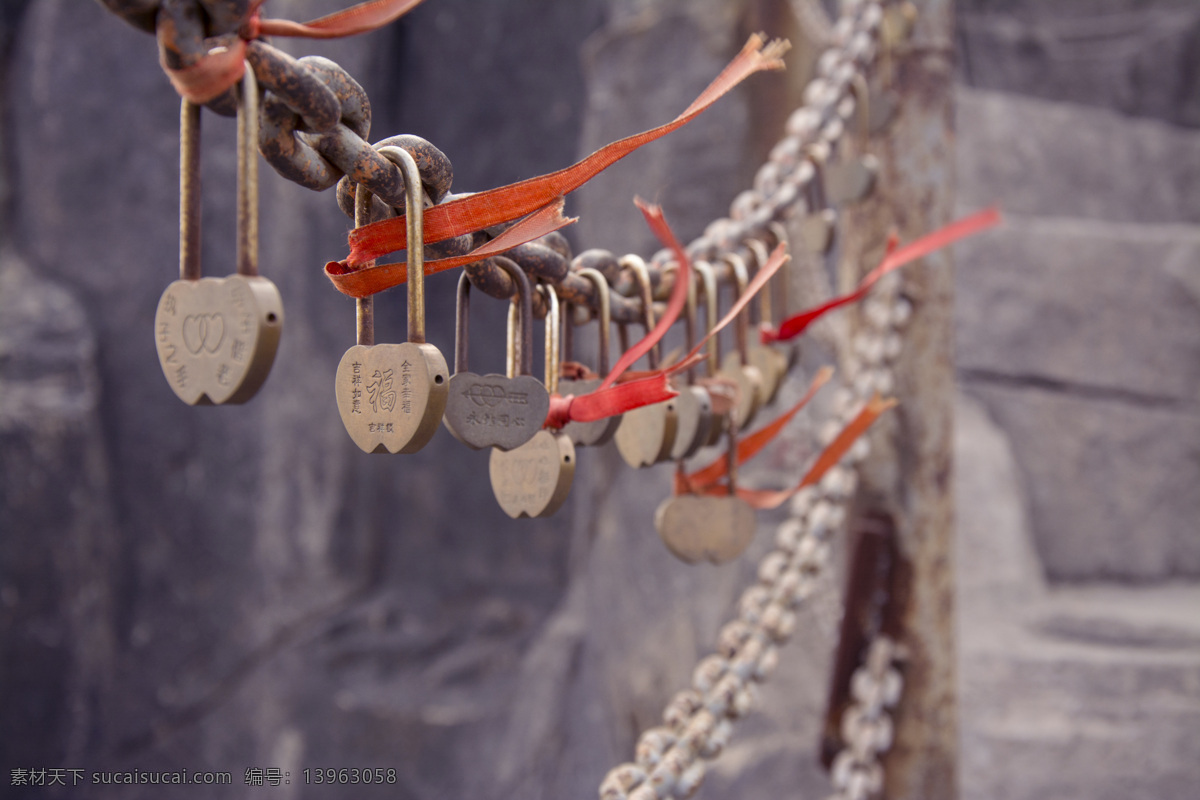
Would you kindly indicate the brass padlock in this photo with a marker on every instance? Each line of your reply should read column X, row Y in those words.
column 647, row 434
column 714, row 528
column 217, row 337
column 391, row 396
column 533, row 480
column 590, row 434
column 772, row 363
column 736, row 365
column 693, row 407
column 502, row 411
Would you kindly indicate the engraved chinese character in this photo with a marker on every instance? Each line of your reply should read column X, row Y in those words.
column 238, row 350
column 380, row 392
column 169, row 304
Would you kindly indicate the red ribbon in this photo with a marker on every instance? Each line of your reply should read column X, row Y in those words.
column 511, row 202
column 896, row 257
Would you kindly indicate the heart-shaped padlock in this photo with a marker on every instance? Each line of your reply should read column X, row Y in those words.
column 737, row 366
column 533, row 480
column 714, row 528
column 647, row 434
column 391, row 396
column 216, row 337
column 590, row 434
column 502, row 411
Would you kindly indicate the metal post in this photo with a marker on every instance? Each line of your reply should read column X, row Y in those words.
column 909, row 476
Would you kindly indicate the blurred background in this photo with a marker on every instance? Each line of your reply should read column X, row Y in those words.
column 241, row 587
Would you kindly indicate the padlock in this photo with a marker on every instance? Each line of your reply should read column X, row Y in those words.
column 391, row 396
column 772, row 363
column 216, row 337
column 502, row 411
column 736, row 365
column 693, row 406
column 716, row 528
column 591, row 434
column 533, row 480
column 647, row 434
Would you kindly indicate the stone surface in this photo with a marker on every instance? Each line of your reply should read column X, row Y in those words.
column 1090, row 307
column 1035, row 157
column 1114, row 486
column 1139, row 58
column 1076, row 324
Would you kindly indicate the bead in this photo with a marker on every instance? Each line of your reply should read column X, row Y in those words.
column 767, row 664
column 803, row 124
column 651, row 745
column 708, row 672
column 771, row 568
column 833, row 130
column 717, row 740
column 791, row 530
column 779, row 623
column 901, row 312
column 817, row 92
column 690, row 781
column 620, row 781
column 766, row 180
column 752, row 604
column 681, row 708
column 731, row 637
column 744, row 204
column 786, row 152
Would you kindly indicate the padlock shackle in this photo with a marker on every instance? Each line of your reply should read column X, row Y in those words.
column 741, row 323
column 247, row 175
column 731, row 457
column 189, row 191
column 709, row 281
column 520, row 352
column 462, row 322
column 414, row 247
column 364, row 307
column 553, row 334
column 641, row 273
column 783, row 277
column 605, row 316
column 759, row 251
